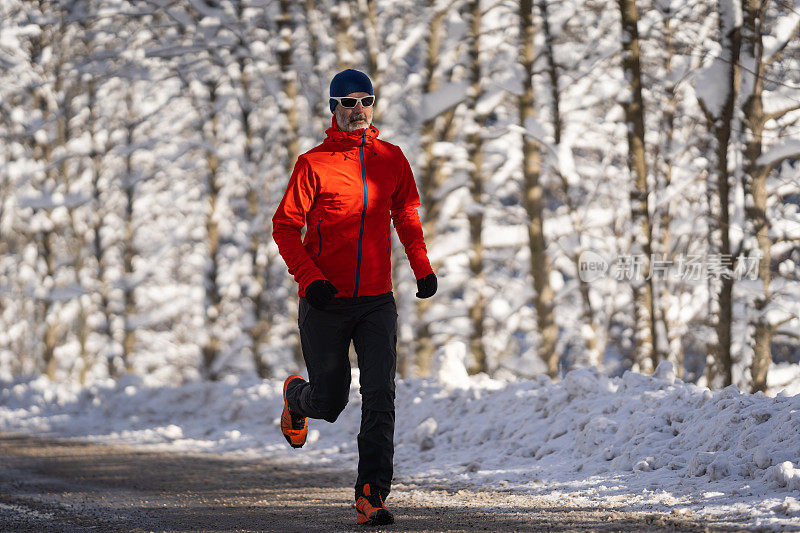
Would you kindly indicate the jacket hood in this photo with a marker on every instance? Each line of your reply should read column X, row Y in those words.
column 334, row 134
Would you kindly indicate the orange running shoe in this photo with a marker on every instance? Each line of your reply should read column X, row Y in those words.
column 370, row 509
column 295, row 429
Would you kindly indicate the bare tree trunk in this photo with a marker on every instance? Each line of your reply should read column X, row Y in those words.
column 552, row 71
column 644, row 309
column 320, row 65
column 534, row 201
column 311, row 9
column 9, row 244
column 289, row 108
column 76, row 242
column 259, row 263
column 289, row 78
column 732, row 42
column 476, row 179
column 82, row 322
column 720, row 122
column 259, row 259
column 101, row 286
column 50, row 325
column 42, row 151
column 213, row 296
column 369, row 23
column 65, row 91
column 587, row 314
column 663, row 177
column 429, row 179
column 755, row 179
column 128, row 247
column 432, row 131
column 12, row 244
column 344, row 43
column 259, row 331
column 375, row 61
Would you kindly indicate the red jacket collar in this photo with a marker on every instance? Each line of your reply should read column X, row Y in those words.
column 334, row 134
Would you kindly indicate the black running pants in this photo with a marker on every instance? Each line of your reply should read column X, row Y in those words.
column 370, row 322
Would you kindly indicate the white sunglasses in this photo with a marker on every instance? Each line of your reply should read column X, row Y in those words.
column 349, row 102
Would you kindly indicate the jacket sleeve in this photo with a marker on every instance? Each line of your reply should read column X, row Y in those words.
column 405, row 202
column 290, row 218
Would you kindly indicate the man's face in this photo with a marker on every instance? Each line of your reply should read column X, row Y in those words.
column 355, row 118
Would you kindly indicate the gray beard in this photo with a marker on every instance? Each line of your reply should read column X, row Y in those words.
column 350, row 126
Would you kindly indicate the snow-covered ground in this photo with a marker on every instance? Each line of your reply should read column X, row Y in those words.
column 646, row 443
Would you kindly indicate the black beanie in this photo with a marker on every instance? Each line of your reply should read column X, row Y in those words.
column 349, row 81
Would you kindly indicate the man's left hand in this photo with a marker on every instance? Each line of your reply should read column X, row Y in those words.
column 426, row 287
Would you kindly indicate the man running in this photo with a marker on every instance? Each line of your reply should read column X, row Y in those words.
column 345, row 191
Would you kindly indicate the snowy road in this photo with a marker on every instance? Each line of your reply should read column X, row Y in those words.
column 63, row 485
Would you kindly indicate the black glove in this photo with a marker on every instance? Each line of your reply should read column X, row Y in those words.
column 320, row 293
column 426, row 287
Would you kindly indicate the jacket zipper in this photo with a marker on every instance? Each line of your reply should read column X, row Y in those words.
column 319, row 236
column 363, row 208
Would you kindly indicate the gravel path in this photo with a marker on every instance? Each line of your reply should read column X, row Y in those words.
column 66, row 485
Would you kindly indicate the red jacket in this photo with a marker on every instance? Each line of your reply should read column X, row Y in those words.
column 344, row 191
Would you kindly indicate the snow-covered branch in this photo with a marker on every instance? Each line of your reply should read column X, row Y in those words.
column 777, row 154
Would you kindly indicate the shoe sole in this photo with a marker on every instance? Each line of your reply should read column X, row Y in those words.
column 288, row 413
column 382, row 518
column 292, row 444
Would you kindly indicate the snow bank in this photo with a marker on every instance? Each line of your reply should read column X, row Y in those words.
column 635, row 443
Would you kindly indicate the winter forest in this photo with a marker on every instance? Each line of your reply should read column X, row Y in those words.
column 603, row 183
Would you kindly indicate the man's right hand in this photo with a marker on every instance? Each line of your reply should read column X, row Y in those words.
column 320, row 293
